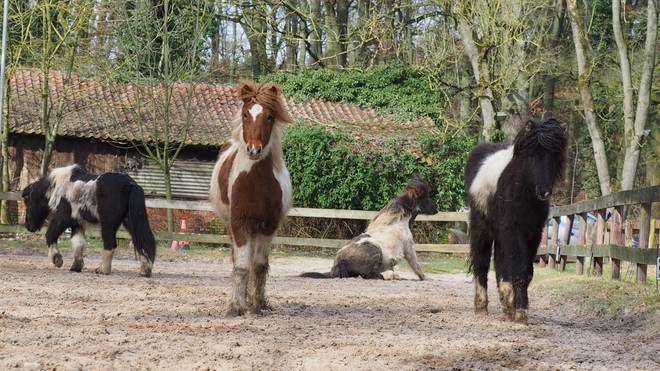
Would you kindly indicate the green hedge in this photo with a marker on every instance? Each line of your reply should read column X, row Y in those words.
column 327, row 173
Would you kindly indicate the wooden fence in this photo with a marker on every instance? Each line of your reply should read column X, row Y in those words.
column 610, row 237
column 295, row 212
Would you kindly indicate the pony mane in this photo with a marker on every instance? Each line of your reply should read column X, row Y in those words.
column 392, row 213
column 402, row 206
column 268, row 95
column 549, row 135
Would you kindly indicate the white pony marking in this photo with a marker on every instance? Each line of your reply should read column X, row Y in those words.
column 392, row 238
column 255, row 111
column 485, row 182
column 80, row 194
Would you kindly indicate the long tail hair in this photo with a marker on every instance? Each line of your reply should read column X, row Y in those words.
column 144, row 241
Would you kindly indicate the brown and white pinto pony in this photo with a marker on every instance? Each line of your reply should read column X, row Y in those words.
column 251, row 191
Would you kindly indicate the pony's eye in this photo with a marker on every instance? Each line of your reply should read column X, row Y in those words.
column 270, row 117
column 244, row 115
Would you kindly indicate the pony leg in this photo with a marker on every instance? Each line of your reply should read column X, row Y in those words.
column 106, row 263
column 54, row 255
column 241, row 257
column 480, row 252
column 108, row 234
column 54, row 231
column 78, row 243
column 521, row 282
column 258, row 276
column 411, row 258
column 145, row 266
column 503, row 278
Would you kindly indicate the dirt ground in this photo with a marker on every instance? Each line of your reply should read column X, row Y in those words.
column 55, row 319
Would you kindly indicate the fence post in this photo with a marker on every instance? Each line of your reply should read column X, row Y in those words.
column 600, row 239
column 582, row 240
column 618, row 240
column 543, row 258
column 554, row 241
column 566, row 239
column 644, row 238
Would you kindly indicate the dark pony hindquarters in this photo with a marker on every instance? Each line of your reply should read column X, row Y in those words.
column 122, row 201
column 137, row 223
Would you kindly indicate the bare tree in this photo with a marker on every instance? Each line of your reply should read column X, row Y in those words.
column 164, row 54
column 635, row 119
column 585, row 66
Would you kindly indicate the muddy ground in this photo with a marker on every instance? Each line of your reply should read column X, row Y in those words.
column 54, row 319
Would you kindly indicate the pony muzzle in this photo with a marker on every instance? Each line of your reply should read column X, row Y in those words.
column 254, row 152
column 543, row 194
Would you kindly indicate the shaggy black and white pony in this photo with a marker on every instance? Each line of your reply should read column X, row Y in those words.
column 76, row 199
column 387, row 240
column 508, row 187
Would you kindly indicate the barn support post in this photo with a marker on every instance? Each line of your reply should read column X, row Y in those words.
column 600, row 239
column 543, row 258
column 554, row 241
column 566, row 239
column 644, row 238
column 617, row 240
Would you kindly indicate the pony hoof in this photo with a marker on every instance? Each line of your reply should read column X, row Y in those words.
column 57, row 260
column 481, row 311
column 101, row 271
column 77, row 267
column 520, row 316
column 235, row 312
column 145, row 272
column 259, row 309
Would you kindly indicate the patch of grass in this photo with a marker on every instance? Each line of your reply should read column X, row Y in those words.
column 606, row 297
column 439, row 263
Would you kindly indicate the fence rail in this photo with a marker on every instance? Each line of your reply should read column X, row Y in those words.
column 158, row 203
column 611, row 234
column 609, row 239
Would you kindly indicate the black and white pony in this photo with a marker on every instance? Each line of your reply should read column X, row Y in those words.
column 387, row 240
column 508, row 187
column 76, row 199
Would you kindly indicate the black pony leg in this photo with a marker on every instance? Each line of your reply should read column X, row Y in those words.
column 55, row 230
column 109, row 236
column 480, row 252
column 78, row 242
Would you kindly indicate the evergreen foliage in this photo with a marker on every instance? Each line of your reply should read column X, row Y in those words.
column 396, row 89
column 327, row 174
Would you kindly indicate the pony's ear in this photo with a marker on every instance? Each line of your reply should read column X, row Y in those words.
column 247, row 90
column 529, row 125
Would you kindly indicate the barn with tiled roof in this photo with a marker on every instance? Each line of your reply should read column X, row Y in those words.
column 101, row 119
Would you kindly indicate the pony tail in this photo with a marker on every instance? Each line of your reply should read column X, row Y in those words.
column 144, row 241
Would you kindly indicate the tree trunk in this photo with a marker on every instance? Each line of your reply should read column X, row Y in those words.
column 634, row 127
column 315, row 40
column 584, row 86
column 550, row 80
column 481, row 76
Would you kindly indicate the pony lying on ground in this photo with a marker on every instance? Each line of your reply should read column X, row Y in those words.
column 387, row 240
column 77, row 199
column 251, row 191
column 508, row 187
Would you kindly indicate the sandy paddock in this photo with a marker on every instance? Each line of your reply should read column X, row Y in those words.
column 54, row 319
